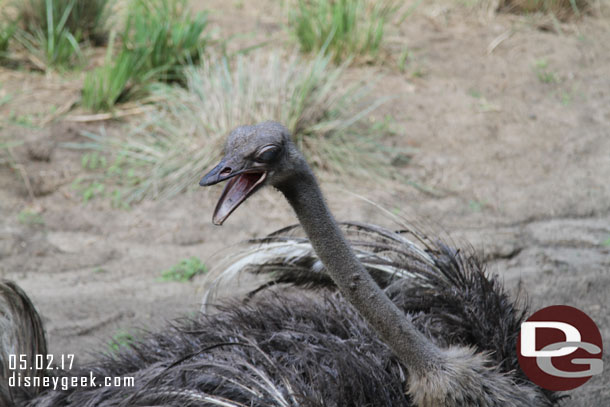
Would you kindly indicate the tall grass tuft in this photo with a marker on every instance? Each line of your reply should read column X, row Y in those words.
column 87, row 19
column 112, row 82
column 169, row 151
column 53, row 45
column 167, row 35
column 160, row 39
column 351, row 27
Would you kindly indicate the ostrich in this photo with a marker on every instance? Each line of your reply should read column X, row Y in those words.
column 407, row 326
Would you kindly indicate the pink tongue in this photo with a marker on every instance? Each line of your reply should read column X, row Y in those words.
column 237, row 190
column 234, row 193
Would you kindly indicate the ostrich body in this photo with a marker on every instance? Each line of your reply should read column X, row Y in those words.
column 414, row 342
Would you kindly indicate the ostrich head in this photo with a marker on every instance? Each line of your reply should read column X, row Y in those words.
column 254, row 156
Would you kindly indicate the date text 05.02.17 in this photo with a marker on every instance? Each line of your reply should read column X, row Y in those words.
column 40, row 362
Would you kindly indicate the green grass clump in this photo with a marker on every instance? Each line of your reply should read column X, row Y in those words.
column 86, row 19
column 167, row 36
column 7, row 33
column 184, row 271
column 121, row 339
column 53, row 45
column 543, row 73
column 169, row 149
column 160, row 39
column 350, row 27
column 30, row 218
column 112, row 82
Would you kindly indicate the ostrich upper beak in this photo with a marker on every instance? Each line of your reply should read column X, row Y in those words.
column 242, row 183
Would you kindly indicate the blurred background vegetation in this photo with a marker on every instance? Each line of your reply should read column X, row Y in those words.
column 158, row 59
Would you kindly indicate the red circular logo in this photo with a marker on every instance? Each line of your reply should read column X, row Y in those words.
column 560, row 348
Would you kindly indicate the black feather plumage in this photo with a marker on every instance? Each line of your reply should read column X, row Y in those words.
column 309, row 347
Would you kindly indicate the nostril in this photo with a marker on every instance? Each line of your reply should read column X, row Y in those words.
column 226, row 171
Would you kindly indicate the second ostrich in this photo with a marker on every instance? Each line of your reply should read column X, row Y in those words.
column 437, row 333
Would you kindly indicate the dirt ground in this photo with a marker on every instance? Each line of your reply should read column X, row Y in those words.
column 509, row 124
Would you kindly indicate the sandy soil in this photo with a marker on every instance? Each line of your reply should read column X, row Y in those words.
column 522, row 170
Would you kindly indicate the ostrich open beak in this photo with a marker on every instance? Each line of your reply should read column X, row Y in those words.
column 242, row 183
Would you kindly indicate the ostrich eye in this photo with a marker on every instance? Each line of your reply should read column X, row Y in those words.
column 268, row 154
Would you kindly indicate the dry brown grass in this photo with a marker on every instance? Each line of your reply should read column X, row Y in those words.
column 562, row 9
column 169, row 149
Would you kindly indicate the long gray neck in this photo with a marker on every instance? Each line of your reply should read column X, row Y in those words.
column 350, row 276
